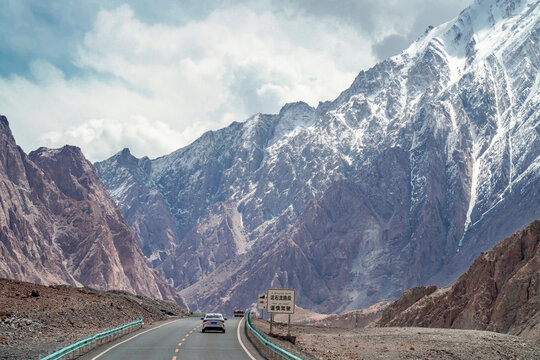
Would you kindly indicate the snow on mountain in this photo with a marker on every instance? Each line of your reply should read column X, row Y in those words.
column 429, row 157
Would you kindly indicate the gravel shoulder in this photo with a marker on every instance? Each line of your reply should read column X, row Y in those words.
column 35, row 319
column 330, row 343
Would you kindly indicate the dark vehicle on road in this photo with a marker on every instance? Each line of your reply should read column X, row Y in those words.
column 238, row 313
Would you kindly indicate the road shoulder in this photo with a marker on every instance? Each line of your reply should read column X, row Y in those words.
column 248, row 346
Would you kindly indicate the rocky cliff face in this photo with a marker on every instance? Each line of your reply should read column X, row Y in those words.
column 500, row 292
column 429, row 158
column 59, row 225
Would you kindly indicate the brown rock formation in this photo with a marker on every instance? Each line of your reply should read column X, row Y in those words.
column 500, row 292
column 409, row 297
column 59, row 225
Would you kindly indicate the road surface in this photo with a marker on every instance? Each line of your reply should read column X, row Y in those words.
column 180, row 340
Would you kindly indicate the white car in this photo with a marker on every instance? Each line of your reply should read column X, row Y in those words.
column 213, row 321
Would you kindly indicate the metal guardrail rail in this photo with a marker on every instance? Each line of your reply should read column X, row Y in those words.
column 276, row 349
column 196, row 314
column 71, row 350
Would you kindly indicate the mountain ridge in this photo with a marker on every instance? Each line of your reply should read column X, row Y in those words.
column 438, row 146
column 58, row 224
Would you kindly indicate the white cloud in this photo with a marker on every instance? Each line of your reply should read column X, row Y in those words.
column 155, row 88
column 100, row 135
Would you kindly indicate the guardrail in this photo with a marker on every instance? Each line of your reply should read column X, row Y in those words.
column 81, row 346
column 196, row 314
column 273, row 347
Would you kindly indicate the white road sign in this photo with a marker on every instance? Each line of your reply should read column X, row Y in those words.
column 280, row 301
column 261, row 303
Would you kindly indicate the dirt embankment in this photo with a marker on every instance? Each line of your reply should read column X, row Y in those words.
column 35, row 319
column 327, row 343
column 350, row 319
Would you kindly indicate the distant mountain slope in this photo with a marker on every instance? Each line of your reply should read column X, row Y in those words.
column 500, row 292
column 58, row 224
column 429, row 158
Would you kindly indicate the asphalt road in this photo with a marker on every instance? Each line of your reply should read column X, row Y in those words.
column 180, row 340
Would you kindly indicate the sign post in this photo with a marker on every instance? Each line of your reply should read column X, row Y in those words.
column 289, row 326
column 261, row 304
column 280, row 301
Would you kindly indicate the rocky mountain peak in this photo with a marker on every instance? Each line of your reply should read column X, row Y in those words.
column 59, row 225
column 292, row 118
column 68, row 168
column 68, row 154
column 125, row 156
column 5, row 132
column 298, row 106
column 4, row 123
column 11, row 155
column 127, row 159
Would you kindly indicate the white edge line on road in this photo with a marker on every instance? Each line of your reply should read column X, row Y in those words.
column 240, row 340
column 131, row 338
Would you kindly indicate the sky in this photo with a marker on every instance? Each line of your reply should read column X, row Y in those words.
column 155, row 75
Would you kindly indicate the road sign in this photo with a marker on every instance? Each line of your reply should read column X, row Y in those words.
column 261, row 303
column 280, row 301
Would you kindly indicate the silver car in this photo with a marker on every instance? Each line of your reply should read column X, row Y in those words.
column 213, row 321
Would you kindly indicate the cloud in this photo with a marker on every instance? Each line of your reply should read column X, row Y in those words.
column 390, row 46
column 179, row 80
column 413, row 18
column 390, row 25
column 213, row 55
column 101, row 135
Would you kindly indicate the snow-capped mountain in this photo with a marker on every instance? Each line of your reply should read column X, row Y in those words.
column 429, row 158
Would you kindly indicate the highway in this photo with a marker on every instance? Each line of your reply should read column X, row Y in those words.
column 180, row 340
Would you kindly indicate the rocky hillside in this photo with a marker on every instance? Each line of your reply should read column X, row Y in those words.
column 429, row 158
column 35, row 319
column 58, row 224
column 500, row 292
column 383, row 343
